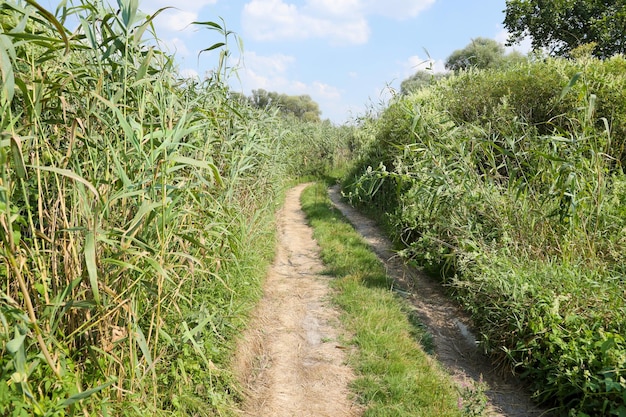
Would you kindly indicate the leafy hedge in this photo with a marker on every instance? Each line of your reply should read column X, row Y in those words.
column 509, row 186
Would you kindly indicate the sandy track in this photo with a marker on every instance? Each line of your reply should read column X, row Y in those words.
column 455, row 346
column 290, row 360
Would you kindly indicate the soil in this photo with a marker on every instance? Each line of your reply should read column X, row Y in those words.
column 290, row 360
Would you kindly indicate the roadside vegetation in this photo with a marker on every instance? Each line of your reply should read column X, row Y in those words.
column 395, row 377
column 136, row 215
column 508, row 184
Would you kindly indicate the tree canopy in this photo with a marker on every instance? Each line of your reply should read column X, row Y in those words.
column 420, row 79
column 303, row 107
column 481, row 53
column 563, row 25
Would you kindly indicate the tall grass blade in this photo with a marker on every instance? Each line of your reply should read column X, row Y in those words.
column 73, row 399
column 18, row 158
column 90, row 261
column 6, row 68
column 69, row 174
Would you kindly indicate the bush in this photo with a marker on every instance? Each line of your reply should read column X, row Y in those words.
column 508, row 186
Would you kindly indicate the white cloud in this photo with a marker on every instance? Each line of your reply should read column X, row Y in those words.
column 339, row 8
column 338, row 21
column 177, row 46
column 325, row 90
column 189, row 73
column 397, row 9
column 273, row 73
column 525, row 46
column 150, row 6
column 176, row 18
column 267, row 20
column 273, row 65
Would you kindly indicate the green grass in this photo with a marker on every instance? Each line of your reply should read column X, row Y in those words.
column 395, row 376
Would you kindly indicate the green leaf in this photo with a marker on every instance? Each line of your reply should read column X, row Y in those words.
column 138, row 32
column 212, row 47
column 16, row 343
column 7, row 76
column 82, row 395
column 211, row 25
column 53, row 20
column 90, row 261
column 184, row 160
column 16, row 149
column 129, row 11
column 69, row 174
column 146, row 207
column 143, row 345
column 571, row 84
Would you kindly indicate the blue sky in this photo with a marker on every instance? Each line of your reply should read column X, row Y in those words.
column 345, row 54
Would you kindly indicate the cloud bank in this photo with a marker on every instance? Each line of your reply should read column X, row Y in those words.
column 340, row 22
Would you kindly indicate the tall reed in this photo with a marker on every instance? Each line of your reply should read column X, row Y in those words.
column 132, row 206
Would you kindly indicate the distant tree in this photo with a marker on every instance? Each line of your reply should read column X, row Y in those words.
column 479, row 53
column 262, row 99
column 303, row 107
column 238, row 97
column 482, row 53
column 419, row 80
column 561, row 26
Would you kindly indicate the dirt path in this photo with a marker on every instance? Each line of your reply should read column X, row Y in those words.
column 290, row 361
column 455, row 345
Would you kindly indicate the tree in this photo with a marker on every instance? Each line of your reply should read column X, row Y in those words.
column 303, row 107
column 419, row 80
column 262, row 99
column 479, row 53
column 563, row 25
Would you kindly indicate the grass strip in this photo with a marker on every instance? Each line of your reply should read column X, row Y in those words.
column 395, row 377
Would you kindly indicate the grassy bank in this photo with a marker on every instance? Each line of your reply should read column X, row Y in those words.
column 395, row 376
column 508, row 185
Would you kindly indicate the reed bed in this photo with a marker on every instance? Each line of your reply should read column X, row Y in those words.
column 136, row 216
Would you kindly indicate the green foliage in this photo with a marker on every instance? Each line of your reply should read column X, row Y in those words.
column 419, row 80
column 561, row 26
column 509, row 186
column 482, row 53
column 312, row 149
column 135, row 216
column 302, row 107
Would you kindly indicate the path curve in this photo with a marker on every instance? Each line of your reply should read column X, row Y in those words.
column 455, row 346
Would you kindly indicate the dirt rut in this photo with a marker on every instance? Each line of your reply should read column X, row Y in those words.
column 290, row 361
column 455, row 345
